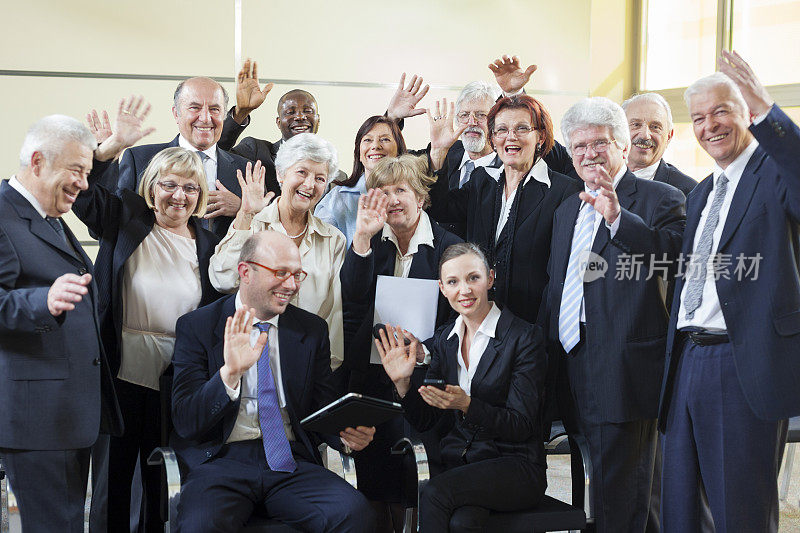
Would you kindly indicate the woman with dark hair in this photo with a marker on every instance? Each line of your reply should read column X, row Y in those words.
column 493, row 365
column 508, row 211
column 378, row 137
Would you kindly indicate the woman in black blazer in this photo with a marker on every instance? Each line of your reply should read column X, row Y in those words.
column 508, row 211
column 393, row 237
column 494, row 365
column 151, row 268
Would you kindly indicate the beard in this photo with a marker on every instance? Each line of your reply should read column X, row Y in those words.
column 471, row 144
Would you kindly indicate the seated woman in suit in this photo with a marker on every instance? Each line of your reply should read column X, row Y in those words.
column 378, row 137
column 509, row 210
column 493, row 364
column 152, row 267
column 393, row 237
column 303, row 164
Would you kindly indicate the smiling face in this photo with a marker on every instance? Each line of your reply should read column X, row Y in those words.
column 720, row 126
column 303, row 184
column 402, row 213
column 375, row 145
column 56, row 183
column 476, row 136
column 200, row 112
column 515, row 150
column 297, row 113
column 649, row 133
column 465, row 283
column 173, row 209
column 259, row 287
column 586, row 165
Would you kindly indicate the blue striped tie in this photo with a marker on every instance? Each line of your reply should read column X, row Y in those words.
column 569, row 315
column 276, row 445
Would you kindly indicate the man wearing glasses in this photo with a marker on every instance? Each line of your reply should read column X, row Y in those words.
column 606, row 318
column 248, row 368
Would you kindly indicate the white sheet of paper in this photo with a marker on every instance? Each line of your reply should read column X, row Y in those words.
column 406, row 302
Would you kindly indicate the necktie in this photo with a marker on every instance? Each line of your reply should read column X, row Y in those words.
column 571, row 297
column 55, row 223
column 204, row 223
column 469, row 167
column 276, row 445
column 696, row 271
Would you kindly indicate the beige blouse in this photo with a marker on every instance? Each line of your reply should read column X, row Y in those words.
column 160, row 282
column 321, row 253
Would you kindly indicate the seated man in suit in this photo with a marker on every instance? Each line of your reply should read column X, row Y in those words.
column 199, row 109
column 56, row 393
column 732, row 359
column 650, row 122
column 607, row 330
column 238, row 398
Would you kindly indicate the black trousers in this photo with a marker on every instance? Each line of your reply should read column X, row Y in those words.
column 50, row 487
column 461, row 498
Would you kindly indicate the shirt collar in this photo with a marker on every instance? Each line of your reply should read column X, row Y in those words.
column 647, row 173
column 422, row 235
column 488, row 327
column 360, row 187
column 20, row 188
column 539, row 172
column 480, row 162
column 269, row 215
column 253, row 321
column 211, row 152
column 736, row 168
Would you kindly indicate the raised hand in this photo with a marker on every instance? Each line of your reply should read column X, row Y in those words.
column 509, row 74
column 248, row 94
column 66, row 291
column 452, row 397
column 755, row 94
column 252, row 184
column 405, row 99
column 101, row 129
column 606, row 202
column 370, row 218
column 238, row 354
column 443, row 135
column 128, row 127
column 398, row 360
column 222, row 203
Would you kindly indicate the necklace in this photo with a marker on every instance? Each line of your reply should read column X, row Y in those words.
column 299, row 234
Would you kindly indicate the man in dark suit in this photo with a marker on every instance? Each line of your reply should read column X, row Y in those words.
column 732, row 362
column 238, row 398
column 606, row 324
column 199, row 110
column 650, row 122
column 57, row 393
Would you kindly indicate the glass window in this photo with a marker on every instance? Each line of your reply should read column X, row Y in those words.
column 765, row 32
column 680, row 39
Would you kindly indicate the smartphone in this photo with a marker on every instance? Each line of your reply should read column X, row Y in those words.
column 376, row 332
column 438, row 383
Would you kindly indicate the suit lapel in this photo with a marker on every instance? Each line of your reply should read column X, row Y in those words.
column 563, row 235
column 226, row 172
column 295, row 362
column 531, row 198
column 492, row 349
column 384, row 257
column 135, row 231
column 742, row 197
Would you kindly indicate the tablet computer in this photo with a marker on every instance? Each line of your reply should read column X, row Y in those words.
column 351, row 410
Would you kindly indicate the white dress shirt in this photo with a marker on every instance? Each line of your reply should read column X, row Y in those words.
column 709, row 314
column 480, row 162
column 20, row 188
column 539, row 172
column 647, row 173
column 422, row 235
column 486, row 332
column 321, row 253
column 247, row 425
column 210, row 163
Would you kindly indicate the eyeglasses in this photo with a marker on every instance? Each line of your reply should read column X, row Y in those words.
column 281, row 274
column 463, row 117
column 599, row 146
column 520, row 131
column 170, row 187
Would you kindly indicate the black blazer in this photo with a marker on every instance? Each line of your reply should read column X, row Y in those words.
column 666, row 173
column 762, row 313
column 359, row 276
column 122, row 221
column 56, row 392
column 135, row 160
column 202, row 413
column 252, row 149
column 626, row 319
column 474, row 205
column 503, row 419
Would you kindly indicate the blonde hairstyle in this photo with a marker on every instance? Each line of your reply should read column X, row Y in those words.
column 179, row 161
column 406, row 168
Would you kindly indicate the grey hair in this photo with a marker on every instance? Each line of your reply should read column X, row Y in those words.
column 306, row 146
column 463, row 248
column 652, row 98
column 477, row 90
column 715, row 80
column 49, row 135
column 596, row 111
column 176, row 97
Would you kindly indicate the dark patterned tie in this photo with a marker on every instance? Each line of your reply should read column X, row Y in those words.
column 55, row 223
column 204, row 223
column 469, row 167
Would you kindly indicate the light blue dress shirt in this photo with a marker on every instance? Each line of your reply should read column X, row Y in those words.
column 339, row 207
